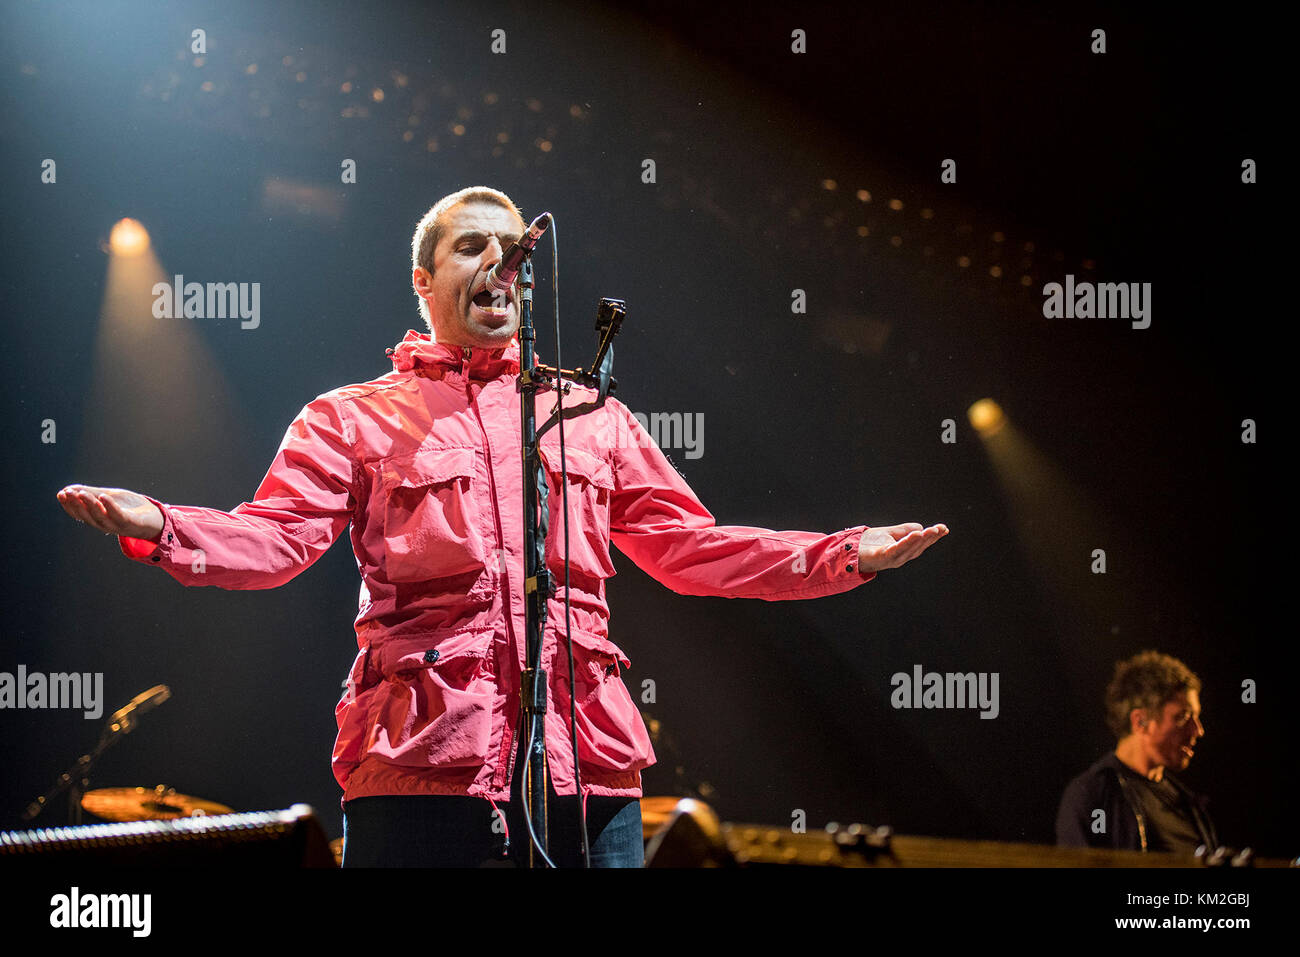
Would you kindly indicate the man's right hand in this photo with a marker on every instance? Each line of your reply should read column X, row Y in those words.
column 116, row 511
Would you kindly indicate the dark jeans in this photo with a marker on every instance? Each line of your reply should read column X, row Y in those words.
column 448, row 831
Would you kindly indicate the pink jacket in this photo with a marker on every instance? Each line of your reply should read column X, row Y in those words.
column 424, row 464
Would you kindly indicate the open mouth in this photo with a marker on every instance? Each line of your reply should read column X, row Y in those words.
column 491, row 304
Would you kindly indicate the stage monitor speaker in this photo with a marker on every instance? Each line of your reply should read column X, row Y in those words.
column 292, row 838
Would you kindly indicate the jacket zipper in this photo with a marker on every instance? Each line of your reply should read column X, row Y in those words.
column 466, row 354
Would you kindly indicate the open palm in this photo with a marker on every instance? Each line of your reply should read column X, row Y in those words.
column 116, row 511
column 889, row 546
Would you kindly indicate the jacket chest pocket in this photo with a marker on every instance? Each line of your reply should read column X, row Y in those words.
column 432, row 517
column 590, row 485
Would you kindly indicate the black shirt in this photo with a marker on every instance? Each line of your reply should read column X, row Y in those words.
column 1171, row 823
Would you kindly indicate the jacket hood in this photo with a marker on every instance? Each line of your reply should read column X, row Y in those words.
column 418, row 350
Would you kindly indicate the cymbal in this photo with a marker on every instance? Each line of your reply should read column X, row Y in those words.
column 145, row 804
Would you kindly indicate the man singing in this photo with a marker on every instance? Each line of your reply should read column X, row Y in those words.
column 423, row 463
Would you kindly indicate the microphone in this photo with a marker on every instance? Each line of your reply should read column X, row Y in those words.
column 124, row 719
column 502, row 276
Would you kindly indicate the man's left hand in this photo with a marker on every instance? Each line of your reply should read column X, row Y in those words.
column 890, row 546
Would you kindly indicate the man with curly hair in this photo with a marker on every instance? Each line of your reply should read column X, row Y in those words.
column 1129, row 800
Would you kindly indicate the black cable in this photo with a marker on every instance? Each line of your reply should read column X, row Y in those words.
column 523, row 792
column 564, row 504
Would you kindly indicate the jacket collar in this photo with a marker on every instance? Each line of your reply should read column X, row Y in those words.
column 418, row 350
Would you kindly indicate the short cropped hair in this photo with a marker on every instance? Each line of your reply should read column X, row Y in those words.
column 429, row 231
column 1146, row 681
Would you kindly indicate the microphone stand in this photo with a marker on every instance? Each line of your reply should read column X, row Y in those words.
column 609, row 317
column 538, row 582
column 76, row 779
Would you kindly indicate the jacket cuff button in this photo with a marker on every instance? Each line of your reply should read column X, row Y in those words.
column 432, row 655
column 849, row 568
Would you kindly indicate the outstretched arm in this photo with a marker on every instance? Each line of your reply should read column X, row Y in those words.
column 303, row 504
column 115, row 511
column 658, row 522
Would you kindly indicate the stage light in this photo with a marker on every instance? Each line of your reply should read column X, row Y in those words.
column 128, row 238
column 986, row 417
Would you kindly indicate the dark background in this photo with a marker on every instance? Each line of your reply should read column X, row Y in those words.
column 1116, row 167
